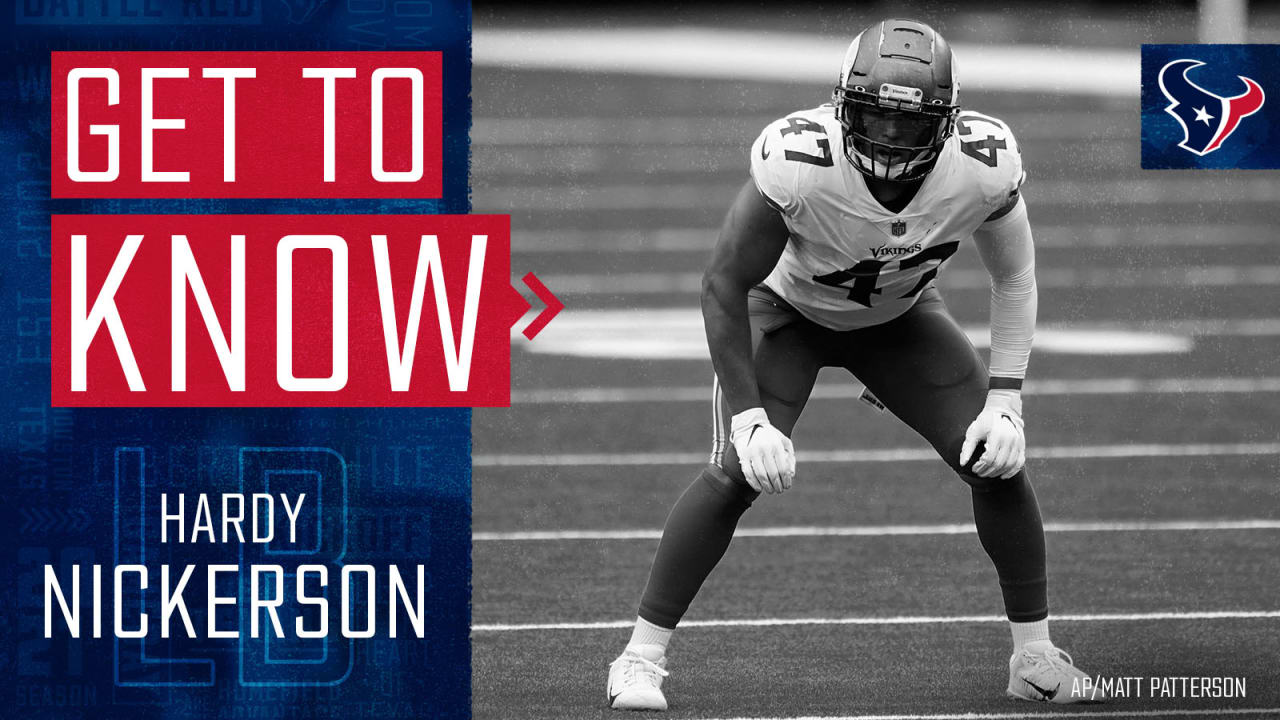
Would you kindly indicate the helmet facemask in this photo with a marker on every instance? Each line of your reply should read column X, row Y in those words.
column 891, row 134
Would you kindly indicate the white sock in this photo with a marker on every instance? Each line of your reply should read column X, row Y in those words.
column 1027, row 632
column 649, row 640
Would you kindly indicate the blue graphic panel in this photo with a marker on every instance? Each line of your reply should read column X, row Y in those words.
column 1210, row 106
column 84, row 486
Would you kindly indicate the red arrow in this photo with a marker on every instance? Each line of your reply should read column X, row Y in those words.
column 554, row 306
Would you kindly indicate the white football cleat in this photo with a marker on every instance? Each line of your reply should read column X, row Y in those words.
column 635, row 682
column 1043, row 673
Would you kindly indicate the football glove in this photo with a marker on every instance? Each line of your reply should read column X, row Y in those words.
column 999, row 426
column 767, row 456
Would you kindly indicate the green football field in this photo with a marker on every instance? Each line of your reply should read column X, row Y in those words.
column 1152, row 423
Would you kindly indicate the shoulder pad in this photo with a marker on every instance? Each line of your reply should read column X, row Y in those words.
column 991, row 153
column 789, row 150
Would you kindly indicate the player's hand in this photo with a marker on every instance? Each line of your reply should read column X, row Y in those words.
column 999, row 426
column 767, row 456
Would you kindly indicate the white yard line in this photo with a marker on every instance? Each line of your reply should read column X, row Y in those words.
column 1223, row 712
column 1084, row 193
column 905, row 454
column 884, row 530
column 852, row 390
column 676, row 333
column 731, row 130
column 1072, row 237
column 666, row 283
column 895, row 620
column 707, row 52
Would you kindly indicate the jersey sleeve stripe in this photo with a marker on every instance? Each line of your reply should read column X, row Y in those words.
column 719, row 428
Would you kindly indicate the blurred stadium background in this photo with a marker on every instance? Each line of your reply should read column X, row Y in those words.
column 615, row 137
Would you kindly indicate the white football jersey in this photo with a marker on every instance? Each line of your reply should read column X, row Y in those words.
column 850, row 263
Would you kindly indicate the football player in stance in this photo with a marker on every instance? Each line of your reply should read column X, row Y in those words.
column 827, row 257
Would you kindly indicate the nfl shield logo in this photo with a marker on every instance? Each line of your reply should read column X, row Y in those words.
column 898, row 228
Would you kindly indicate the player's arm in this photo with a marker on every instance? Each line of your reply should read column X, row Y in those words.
column 752, row 238
column 1005, row 245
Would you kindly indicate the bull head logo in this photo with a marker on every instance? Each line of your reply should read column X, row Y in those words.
column 1206, row 119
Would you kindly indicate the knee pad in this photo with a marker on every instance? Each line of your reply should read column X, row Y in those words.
column 951, row 454
column 732, row 486
column 981, row 484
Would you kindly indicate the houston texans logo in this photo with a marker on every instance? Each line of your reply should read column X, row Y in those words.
column 1206, row 119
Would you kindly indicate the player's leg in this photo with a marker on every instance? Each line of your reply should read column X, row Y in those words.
column 924, row 369
column 702, row 522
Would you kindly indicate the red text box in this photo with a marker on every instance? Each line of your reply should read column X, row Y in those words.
column 305, row 125
column 320, row 314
